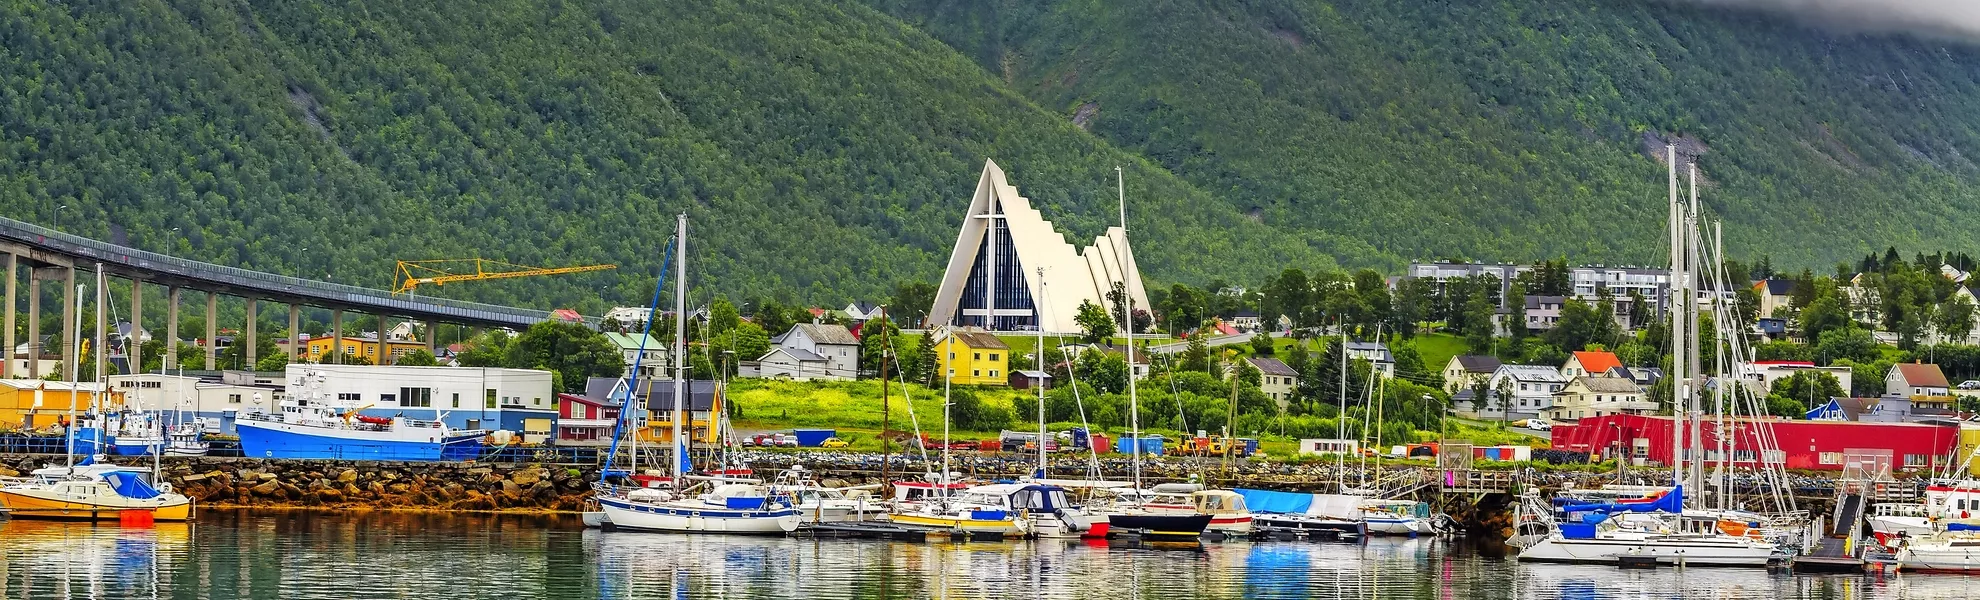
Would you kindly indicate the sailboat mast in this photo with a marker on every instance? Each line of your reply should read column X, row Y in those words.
column 75, row 376
column 1722, row 361
column 96, row 400
column 1695, row 408
column 1676, row 302
column 1038, row 362
column 948, row 375
column 1127, row 324
column 1340, row 418
column 680, row 342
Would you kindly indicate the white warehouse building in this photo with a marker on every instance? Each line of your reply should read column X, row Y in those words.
column 516, row 400
column 217, row 402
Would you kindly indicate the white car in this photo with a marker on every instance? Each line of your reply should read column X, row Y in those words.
column 1539, row 425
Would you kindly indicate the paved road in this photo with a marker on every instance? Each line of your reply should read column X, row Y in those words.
column 1222, row 340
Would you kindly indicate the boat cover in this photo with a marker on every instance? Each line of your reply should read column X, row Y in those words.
column 1962, row 527
column 129, row 485
column 1321, row 505
column 1671, row 502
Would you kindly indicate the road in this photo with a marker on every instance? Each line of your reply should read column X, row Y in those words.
column 1221, row 340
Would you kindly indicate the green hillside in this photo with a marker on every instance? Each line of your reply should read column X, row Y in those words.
column 1509, row 129
column 823, row 151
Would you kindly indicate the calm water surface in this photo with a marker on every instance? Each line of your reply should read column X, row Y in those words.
column 265, row 555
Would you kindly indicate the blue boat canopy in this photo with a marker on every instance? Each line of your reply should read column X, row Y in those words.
column 129, row 485
column 1268, row 501
column 1671, row 502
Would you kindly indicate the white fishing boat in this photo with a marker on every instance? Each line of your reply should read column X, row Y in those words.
column 820, row 504
column 187, row 439
column 1398, row 517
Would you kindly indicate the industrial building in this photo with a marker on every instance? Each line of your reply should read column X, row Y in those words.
column 1646, row 441
column 516, row 400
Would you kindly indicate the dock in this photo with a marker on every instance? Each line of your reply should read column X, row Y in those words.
column 881, row 530
column 1840, row 550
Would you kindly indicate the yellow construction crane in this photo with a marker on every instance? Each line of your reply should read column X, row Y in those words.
column 413, row 273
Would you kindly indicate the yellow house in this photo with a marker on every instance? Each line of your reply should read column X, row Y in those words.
column 40, row 404
column 972, row 356
column 704, row 403
column 367, row 347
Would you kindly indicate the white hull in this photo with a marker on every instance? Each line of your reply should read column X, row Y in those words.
column 595, row 519
column 1404, row 526
column 1939, row 557
column 1892, row 525
column 695, row 517
column 1689, row 550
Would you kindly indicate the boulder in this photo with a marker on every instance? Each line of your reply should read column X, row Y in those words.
column 347, row 476
column 511, row 490
column 527, row 477
column 7, row 472
column 269, row 488
column 398, row 488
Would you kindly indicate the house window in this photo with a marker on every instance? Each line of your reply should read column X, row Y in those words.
column 233, row 398
column 1916, row 460
column 536, row 401
column 457, row 399
column 1522, row 387
column 1829, row 458
column 385, row 398
column 977, row 356
column 577, row 411
column 349, row 397
column 490, row 401
column 993, row 356
column 993, row 372
column 952, row 356
column 976, row 373
column 412, row 396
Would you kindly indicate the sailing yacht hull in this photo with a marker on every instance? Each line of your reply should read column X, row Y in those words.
column 1691, row 551
column 1004, row 527
column 1939, row 558
column 1407, row 526
column 1154, row 526
column 30, row 502
column 693, row 518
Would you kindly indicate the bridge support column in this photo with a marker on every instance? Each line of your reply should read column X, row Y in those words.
column 212, row 326
column 34, row 327
column 70, row 337
column 431, row 332
column 295, row 332
column 384, row 341
column 336, row 337
column 248, row 352
column 172, row 327
column 134, row 345
column 13, row 275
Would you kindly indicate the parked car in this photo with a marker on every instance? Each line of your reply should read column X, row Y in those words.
column 785, row 440
column 1970, row 384
column 833, row 442
column 749, row 441
column 1539, row 425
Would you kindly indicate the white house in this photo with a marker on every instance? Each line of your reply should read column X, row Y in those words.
column 809, row 351
column 1542, row 312
column 1598, row 396
column 1915, row 379
column 649, row 353
column 1466, row 370
column 1276, row 379
column 1763, row 373
column 864, row 311
column 1532, row 388
column 1376, row 353
column 215, row 401
column 517, row 400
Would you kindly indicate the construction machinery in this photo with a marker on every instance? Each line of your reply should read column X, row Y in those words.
column 411, row 274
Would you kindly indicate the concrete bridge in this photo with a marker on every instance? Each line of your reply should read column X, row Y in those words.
column 53, row 256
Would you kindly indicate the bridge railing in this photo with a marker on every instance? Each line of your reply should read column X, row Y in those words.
column 143, row 259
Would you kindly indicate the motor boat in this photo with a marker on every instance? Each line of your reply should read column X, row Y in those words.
column 1052, row 513
column 1953, row 550
column 983, row 509
column 819, row 504
column 92, row 492
column 1226, row 508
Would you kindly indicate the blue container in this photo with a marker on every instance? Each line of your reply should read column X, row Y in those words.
column 987, row 515
column 812, row 438
column 1149, row 445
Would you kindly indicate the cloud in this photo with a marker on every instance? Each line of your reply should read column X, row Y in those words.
column 1941, row 18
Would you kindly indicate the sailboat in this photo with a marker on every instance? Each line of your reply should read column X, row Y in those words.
column 88, row 490
column 1049, row 507
column 1661, row 530
column 973, row 510
column 729, row 506
column 1131, row 515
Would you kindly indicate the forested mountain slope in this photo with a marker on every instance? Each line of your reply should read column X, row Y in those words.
column 824, row 151
column 1510, row 129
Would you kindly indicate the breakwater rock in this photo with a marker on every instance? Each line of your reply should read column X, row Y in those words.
column 369, row 484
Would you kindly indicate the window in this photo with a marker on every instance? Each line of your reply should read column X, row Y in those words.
column 385, row 398
column 577, row 411
column 977, row 356
column 233, row 398
column 1829, row 458
column 1917, row 460
column 537, row 401
column 1522, row 387
column 457, row 399
column 349, row 397
column 491, row 398
column 993, row 356
column 993, row 372
column 976, row 373
column 412, row 396
column 1774, row 457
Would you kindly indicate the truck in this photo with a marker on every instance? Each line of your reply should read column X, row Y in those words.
column 1024, row 441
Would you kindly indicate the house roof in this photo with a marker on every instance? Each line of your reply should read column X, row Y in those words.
column 1245, row 312
column 598, row 402
column 1775, row 287
column 1608, row 385
column 628, row 341
column 1597, row 362
column 864, row 307
column 1855, row 407
column 1475, row 363
column 1273, row 366
column 1534, row 302
column 660, row 396
column 1030, row 374
column 827, row 334
column 802, row 355
column 1922, row 375
column 979, row 339
column 1532, row 373
column 1380, row 350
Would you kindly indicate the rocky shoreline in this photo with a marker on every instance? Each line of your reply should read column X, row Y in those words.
column 261, row 483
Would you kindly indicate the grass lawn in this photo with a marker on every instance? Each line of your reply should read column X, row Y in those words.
column 1438, row 348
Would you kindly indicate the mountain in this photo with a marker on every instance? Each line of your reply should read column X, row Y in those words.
column 824, row 150
column 1510, row 129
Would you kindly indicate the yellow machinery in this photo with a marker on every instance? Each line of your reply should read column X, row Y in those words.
column 413, row 273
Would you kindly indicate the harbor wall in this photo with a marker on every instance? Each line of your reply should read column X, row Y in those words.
column 236, row 482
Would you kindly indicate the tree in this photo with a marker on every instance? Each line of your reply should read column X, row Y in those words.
column 1808, row 389
column 722, row 317
column 1639, row 309
column 486, row 350
column 1481, row 393
column 1853, row 343
column 1106, row 371
column 747, row 341
column 1516, row 312
column 572, row 350
column 417, row 358
column 1261, row 344
column 1477, row 319
column 1826, row 312
column 874, row 337
column 911, row 302
column 1095, row 321
column 926, row 364
column 1954, row 320
column 1186, row 308
column 1504, row 398
column 1412, row 305
column 272, row 362
column 1289, row 294
column 1196, row 356
column 775, row 318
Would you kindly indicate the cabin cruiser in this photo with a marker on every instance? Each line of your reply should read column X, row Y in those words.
column 92, row 491
column 819, row 504
column 1226, row 508
column 983, row 509
column 1953, row 550
column 1052, row 513
column 1398, row 517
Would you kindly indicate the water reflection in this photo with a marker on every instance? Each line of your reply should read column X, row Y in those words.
column 305, row 555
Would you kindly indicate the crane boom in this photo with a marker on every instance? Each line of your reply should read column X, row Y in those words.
column 411, row 274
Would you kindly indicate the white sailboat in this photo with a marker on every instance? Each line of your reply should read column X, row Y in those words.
column 943, row 508
column 731, row 506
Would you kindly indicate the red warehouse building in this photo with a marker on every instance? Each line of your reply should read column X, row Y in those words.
column 1647, row 440
column 584, row 421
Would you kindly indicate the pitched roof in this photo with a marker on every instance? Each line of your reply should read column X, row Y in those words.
column 660, row 394
column 1923, row 375
column 627, row 341
column 1475, row 363
column 979, row 339
column 1273, row 366
column 1776, row 287
column 802, row 355
column 827, row 334
column 1380, row 350
column 1532, row 373
column 1608, row 385
column 1534, row 302
column 1597, row 362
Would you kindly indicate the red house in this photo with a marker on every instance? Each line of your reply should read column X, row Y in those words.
column 1800, row 444
column 582, row 421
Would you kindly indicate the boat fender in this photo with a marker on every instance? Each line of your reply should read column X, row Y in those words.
column 1071, row 525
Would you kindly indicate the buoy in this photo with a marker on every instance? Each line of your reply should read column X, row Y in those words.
column 134, row 518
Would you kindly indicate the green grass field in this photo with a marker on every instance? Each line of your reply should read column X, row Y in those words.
column 1438, row 348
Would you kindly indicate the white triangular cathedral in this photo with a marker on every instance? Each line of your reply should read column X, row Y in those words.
column 993, row 280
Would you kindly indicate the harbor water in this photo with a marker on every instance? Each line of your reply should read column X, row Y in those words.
column 307, row 555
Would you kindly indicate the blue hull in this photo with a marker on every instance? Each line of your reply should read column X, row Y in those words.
column 258, row 442
column 137, row 449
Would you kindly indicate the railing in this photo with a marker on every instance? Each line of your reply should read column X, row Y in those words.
column 268, row 282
